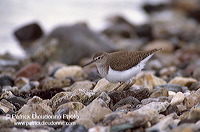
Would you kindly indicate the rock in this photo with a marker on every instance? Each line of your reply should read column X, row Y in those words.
column 166, row 46
column 88, row 123
column 126, row 108
column 83, row 96
column 104, row 85
column 167, row 72
column 6, row 106
column 17, row 101
column 73, row 128
column 160, row 92
column 128, row 100
column 59, row 99
column 49, row 83
column 95, row 111
column 177, row 99
column 6, row 95
column 195, row 86
column 192, row 99
column 171, row 109
column 194, row 114
column 7, row 121
column 104, row 96
column 137, row 92
column 148, row 81
column 88, row 85
column 75, row 72
column 32, row 71
column 70, row 108
column 163, row 125
column 183, row 81
column 99, row 129
column 6, row 81
column 35, row 107
column 171, row 87
column 28, row 33
column 26, row 88
column 155, row 106
column 21, row 81
column 196, row 73
column 72, row 49
column 111, row 117
column 181, row 108
column 158, row 99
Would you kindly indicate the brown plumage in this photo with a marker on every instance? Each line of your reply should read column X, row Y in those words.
column 124, row 60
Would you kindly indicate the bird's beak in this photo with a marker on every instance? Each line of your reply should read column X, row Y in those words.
column 89, row 63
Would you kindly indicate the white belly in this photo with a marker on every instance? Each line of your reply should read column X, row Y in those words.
column 125, row 76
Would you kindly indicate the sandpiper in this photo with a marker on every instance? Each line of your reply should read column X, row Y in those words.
column 121, row 66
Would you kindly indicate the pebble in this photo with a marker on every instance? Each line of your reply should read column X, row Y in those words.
column 99, row 129
column 49, row 83
column 75, row 72
column 192, row 99
column 31, row 71
column 177, row 98
column 7, row 121
column 183, row 81
column 171, row 87
column 158, row 99
column 128, row 100
column 6, row 81
column 26, row 88
column 28, row 33
column 137, row 92
column 70, row 108
column 73, row 128
column 86, row 122
column 88, row 85
column 34, row 106
column 21, row 81
column 104, row 85
column 159, row 92
column 148, row 81
column 95, row 111
column 194, row 114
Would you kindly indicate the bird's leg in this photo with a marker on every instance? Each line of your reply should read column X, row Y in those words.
column 129, row 84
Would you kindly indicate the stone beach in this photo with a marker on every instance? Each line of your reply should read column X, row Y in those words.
column 50, row 91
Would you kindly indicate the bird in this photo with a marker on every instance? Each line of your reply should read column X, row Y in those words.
column 121, row 66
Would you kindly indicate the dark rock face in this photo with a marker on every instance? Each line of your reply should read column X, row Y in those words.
column 6, row 81
column 28, row 32
column 76, row 42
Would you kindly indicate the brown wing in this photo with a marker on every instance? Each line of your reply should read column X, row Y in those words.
column 127, row 59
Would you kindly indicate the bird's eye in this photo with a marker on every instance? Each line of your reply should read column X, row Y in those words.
column 98, row 57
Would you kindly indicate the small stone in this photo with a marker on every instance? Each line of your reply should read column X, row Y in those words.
column 35, row 106
column 183, row 81
column 171, row 109
column 26, row 88
column 192, row 99
column 88, row 85
column 177, row 98
column 125, row 108
column 181, row 108
column 194, row 114
column 167, row 72
column 160, row 92
column 148, row 81
column 88, row 123
column 111, row 117
column 104, row 96
column 7, row 95
column 104, row 85
column 21, row 81
column 32, row 71
column 7, row 121
column 6, row 106
column 128, row 100
column 99, row 129
column 73, row 128
column 163, row 125
column 75, row 72
column 29, row 32
column 83, row 96
column 170, row 87
column 137, row 92
column 195, row 86
column 59, row 99
column 158, row 99
column 70, row 108
column 49, row 83
column 6, row 81
column 95, row 111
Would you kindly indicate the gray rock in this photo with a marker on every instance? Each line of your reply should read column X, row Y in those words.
column 128, row 100
column 74, row 128
column 76, row 42
column 170, row 87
